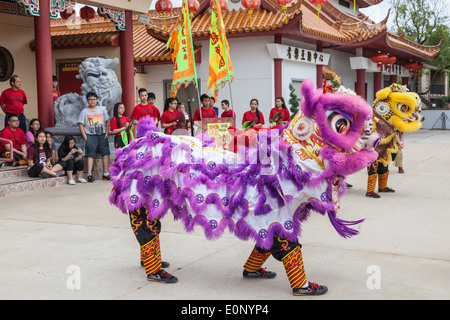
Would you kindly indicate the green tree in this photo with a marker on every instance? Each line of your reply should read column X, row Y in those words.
column 293, row 101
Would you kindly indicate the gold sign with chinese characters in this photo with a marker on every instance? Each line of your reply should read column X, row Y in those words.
column 291, row 53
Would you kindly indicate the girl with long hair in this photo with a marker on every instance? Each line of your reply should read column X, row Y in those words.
column 253, row 117
column 71, row 159
column 120, row 123
column 39, row 157
column 279, row 114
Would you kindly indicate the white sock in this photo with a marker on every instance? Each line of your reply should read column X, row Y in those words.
column 305, row 285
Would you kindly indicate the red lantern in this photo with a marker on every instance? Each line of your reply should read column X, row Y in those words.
column 318, row 4
column 251, row 5
column 223, row 4
column 193, row 7
column 100, row 14
column 163, row 7
column 66, row 14
column 379, row 59
column 413, row 67
column 283, row 4
column 388, row 61
column 87, row 13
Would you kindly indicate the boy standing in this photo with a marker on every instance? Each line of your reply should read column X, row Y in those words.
column 93, row 123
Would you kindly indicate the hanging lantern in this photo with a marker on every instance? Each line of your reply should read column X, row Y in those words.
column 223, row 4
column 251, row 5
column 100, row 14
column 164, row 7
column 388, row 60
column 283, row 4
column 87, row 13
column 66, row 14
column 318, row 4
column 193, row 7
column 379, row 59
column 413, row 67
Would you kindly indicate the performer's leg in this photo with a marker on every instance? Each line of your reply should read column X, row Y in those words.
column 147, row 234
column 253, row 267
column 372, row 180
column 291, row 255
column 383, row 175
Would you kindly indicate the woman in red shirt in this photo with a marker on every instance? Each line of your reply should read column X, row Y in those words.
column 254, row 114
column 169, row 116
column 119, row 123
column 280, row 106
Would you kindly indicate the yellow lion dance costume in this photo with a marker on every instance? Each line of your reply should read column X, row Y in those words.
column 395, row 111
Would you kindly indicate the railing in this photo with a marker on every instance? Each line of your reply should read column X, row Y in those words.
column 437, row 89
column 10, row 152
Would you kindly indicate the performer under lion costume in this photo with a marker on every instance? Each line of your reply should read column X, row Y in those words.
column 263, row 193
column 395, row 111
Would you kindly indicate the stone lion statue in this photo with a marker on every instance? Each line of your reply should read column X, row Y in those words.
column 98, row 76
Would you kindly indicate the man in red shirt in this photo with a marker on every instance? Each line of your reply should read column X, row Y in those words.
column 15, row 134
column 144, row 109
column 207, row 111
column 12, row 101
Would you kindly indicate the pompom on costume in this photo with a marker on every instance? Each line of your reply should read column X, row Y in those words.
column 262, row 192
column 396, row 111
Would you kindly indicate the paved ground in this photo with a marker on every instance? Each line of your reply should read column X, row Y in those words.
column 69, row 243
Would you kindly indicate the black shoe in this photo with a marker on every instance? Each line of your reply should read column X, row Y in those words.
column 163, row 264
column 90, row 178
column 349, row 185
column 44, row 175
column 400, row 170
column 106, row 178
column 162, row 276
column 312, row 289
column 261, row 273
column 386, row 190
column 372, row 194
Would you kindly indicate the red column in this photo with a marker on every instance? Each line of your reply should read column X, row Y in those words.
column 361, row 83
column 377, row 82
column 46, row 113
column 319, row 68
column 393, row 79
column 127, row 64
column 278, row 70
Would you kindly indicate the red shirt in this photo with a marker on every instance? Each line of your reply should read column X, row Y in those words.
column 113, row 123
column 169, row 117
column 142, row 111
column 228, row 114
column 284, row 114
column 56, row 95
column 43, row 156
column 17, row 137
column 14, row 100
column 206, row 113
column 250, row 116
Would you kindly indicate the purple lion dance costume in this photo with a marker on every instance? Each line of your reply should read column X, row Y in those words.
column 263, row 192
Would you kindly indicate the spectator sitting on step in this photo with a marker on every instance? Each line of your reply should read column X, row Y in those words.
column 71, row 159
column 17, row 136
column 39, row 159
column 33, row 128
column 52, row 144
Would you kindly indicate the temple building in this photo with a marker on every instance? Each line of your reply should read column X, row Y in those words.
column 270, row 50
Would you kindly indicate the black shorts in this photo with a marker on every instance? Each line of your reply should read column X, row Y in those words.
column 96, row 144
column 35, row 170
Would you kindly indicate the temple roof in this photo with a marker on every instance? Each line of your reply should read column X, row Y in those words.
column 335, row 28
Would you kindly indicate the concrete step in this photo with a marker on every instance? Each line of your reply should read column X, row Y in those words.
column 16, row 179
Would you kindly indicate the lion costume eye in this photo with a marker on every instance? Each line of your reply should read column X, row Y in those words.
column 338, row 123
column 403, row 108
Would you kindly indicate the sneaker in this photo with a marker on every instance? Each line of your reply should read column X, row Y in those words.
column 372, row 194
column 106, row 178
column 15, row 163
column 72, row 182
column 400, row 170
column 311, row 289
column 261, row 273
column 386, row 190
column 44, row 175
column 164, row 264
column 60, row 173
column 90, row 178
column 82, row 180
column 162, row 276
column 2, row 164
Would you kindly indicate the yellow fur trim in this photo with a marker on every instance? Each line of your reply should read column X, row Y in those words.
column 405, row 126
